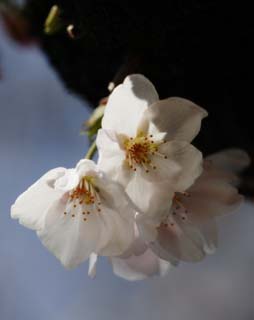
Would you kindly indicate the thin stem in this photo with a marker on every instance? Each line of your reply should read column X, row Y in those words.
column 91, row 151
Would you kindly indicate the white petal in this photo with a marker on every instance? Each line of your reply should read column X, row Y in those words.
column 117, row 218
column 232, row 160
column 68, row 181
column 112, row 158
column 70, row 239
column 127, row 103
column 92, row 265
column 86, row 167
column 140, row 267
column 188, row 158
column 180, row 118
column 31, row 206
column 108, row 232
column 166, row 170
column 151, row 198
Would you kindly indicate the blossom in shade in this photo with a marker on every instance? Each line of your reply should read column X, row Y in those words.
column 77, row 212
column 188, row 232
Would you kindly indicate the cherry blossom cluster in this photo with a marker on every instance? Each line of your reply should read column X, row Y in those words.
column 149, row 202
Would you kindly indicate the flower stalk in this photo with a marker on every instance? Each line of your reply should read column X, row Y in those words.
column 91, row 151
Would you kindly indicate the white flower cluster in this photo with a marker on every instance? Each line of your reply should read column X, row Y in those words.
column 150, row 201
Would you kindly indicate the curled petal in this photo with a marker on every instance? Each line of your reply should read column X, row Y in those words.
column 86, row 167
column 31, row 206
column 140, row 267
column 68, row 181
column 180, row 118
column 127, row 103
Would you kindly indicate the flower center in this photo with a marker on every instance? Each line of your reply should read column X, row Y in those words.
column 83, row 192
column 84, row 199
column 140, row 150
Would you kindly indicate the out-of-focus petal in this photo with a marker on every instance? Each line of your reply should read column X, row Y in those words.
column 210, row 199
column 210, row 233
column 230, row 160
column 140, row 267
column 92, row 265
column 182, row 241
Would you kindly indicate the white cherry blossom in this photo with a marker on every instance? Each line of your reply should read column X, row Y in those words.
column 77, row 212
column 145, row 141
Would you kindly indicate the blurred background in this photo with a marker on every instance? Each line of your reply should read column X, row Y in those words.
column 39, row 130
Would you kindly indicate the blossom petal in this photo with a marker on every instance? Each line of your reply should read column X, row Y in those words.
column 232, row 160
column 92, row 265
column 210, row 199
column 138, row 246
column 117, row 218
column 112, row 158
column 127, row 103
column 187, row 157
column 140, row 267
column 182, row 241
column 31, row 206
column 210, row 234
column 68, row 181
column 180, row 118
column 151, row 198
column 86, row 167
column 70, row 239
column 163, row 253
